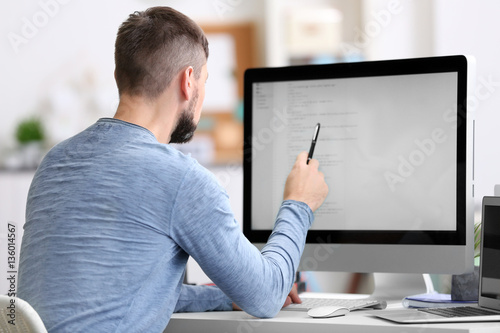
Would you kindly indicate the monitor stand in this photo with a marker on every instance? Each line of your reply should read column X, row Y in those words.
column 395, row 286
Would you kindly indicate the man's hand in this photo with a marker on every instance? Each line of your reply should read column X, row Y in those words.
column 293, row 297
column 305, row 183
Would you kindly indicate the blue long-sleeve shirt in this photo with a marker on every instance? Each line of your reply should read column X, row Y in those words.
column 111, row 219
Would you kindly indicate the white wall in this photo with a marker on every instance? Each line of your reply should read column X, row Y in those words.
column 472, row 27
column 395, row 29
column 443, row 27
column 57, row 56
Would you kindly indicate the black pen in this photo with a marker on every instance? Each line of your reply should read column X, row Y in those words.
column 313, row 143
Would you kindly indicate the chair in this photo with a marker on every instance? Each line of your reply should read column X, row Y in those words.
column 18, row 311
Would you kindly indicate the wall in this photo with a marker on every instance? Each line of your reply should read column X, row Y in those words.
column 443, row 27
column 396, row 29
column 472, row 28
column 57, row 57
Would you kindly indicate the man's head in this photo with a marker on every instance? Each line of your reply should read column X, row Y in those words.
column 152, row 47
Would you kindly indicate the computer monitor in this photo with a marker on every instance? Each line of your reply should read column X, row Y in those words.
column 396, row 148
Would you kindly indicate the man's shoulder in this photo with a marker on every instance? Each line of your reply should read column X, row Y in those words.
column 169, row 156
column 169, row 163
column 194, row 170
column 139, row 154
column 190, row 170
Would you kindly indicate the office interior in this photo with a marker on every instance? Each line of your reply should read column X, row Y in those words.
column 58, row 67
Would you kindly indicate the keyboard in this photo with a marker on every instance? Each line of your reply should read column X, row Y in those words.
column 460, row 311
column 352, row 304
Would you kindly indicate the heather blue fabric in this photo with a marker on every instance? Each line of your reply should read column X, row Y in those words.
column 112, row 217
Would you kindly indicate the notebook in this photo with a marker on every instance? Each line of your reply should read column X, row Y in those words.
column 488, row 306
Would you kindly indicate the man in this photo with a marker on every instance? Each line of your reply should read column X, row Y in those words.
column 114, row 212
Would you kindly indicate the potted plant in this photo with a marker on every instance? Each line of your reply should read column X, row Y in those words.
column 29, row 131
column 30, row 135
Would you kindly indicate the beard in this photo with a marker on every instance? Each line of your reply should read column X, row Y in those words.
column 185, row 127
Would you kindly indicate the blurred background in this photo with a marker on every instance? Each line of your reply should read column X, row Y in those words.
column 56, row 76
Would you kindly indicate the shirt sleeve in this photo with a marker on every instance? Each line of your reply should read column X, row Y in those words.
column 203, row 224
column 202, row 298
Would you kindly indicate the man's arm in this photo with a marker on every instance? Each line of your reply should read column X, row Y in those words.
column 258, row 282
column 293, row 297
column 202, row 298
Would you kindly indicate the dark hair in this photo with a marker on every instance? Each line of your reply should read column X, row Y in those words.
column 155, row 45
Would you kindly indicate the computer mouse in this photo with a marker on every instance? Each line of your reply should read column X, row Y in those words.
column 327, row 311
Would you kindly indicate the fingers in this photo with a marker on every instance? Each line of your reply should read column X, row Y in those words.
column 294, row 294
column 293, row 297
column 302, row 159
column 288, row 301
column 314, row 163
column 306, row 183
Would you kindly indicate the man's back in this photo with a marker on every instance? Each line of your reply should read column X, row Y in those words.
column 96, row 244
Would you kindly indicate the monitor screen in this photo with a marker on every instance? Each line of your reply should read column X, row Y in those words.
column 395, row 146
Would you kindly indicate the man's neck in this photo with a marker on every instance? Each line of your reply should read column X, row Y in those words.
column 151, row 115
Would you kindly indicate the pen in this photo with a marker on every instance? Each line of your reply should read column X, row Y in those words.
column 313, row 143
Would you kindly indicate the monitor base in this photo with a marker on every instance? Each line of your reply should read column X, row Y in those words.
column 391, row 286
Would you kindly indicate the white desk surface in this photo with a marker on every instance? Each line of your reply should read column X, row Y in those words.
column 297, row 321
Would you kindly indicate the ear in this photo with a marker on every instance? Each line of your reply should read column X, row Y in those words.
column 187, row 82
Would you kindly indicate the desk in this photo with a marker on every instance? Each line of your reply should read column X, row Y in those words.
column 294, row 321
